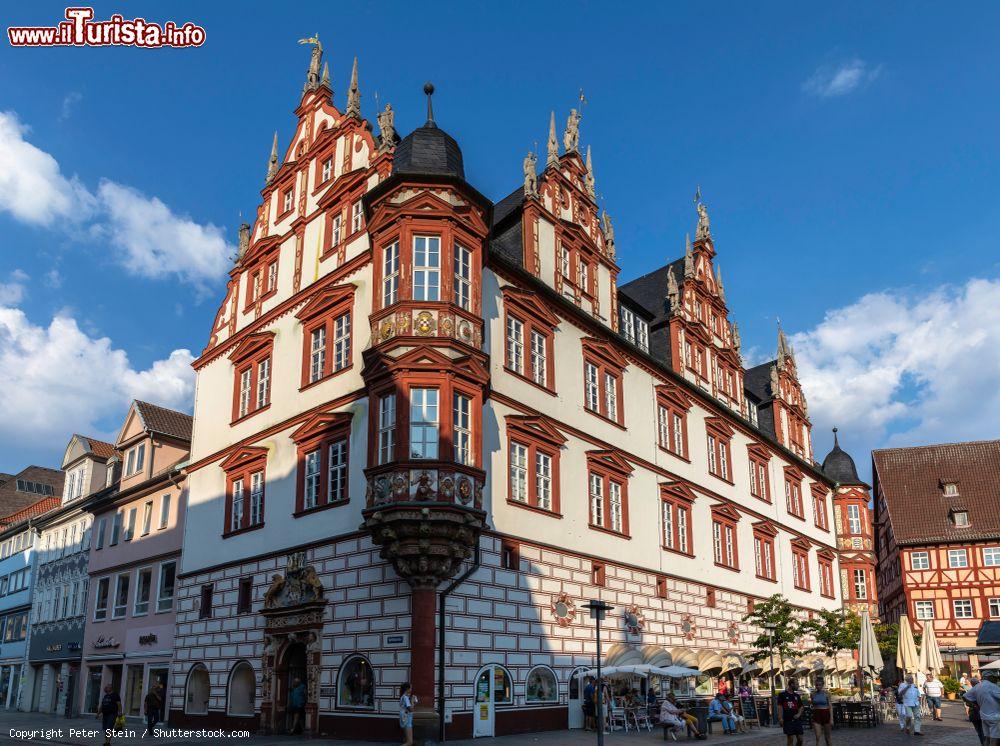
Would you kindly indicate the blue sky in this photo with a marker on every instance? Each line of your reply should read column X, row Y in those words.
column 847, row 156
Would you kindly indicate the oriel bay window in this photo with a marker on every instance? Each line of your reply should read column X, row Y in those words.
column 719, row 436
column 530, row 330
column 607, row 489
column 724, row 546
column 245, row 481
column 323, row 445
column 326, row 333
column 427, row 268
column 793, row 492
column 252, row 386
column 533, row 463
column 603, row 373
column 676, row 501
column 672, row 406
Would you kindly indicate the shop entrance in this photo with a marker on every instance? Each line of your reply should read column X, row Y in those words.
column 577, row 683
column 493, row 686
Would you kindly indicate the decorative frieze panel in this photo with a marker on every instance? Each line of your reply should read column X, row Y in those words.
column 445, row 485
column 426, row 323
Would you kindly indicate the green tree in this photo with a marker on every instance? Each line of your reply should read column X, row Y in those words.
column 776, row 612
column 834, row 631
column 887, row 636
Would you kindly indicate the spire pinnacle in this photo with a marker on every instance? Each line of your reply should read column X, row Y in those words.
column 272, row 163
column 688, row 256
column 354, row 94
column 429, row 92
column 718, row 282
column 836, row 443
column 325, row 81
column 553, row 145
column 591, row 190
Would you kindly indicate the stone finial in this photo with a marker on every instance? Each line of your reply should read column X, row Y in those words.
column 354, row 94
column 244, row 241
column 785, row 350
column 325, row 80
column 688, row 256
column 553, row 144
column 313, row 74
column 429, row 92
column 591, row 190
column 571, row 137
column 386, row 129
column 530, row 175
column 718, row 283
column 272, row 163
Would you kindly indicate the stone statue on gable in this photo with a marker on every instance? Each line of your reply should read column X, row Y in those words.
column 387, row 129
column 530, row 175
column 571, row 137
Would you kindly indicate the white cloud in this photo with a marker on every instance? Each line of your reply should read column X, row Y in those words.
column 59, row 380
column 13, row 291
column 903, row 368
column 839, row 80
column 32, row 186
column 152, row 240
column 156, row 243
column 70, row 100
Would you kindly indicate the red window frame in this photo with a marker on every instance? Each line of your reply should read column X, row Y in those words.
column 607, row 361
column 319, row 433
column 537, row 435
column 248, row 356
column 826, row 575
column 283, row 189
column 535, row 317
column 243, row 463
column 793, row 493
column 727, row 521
column 675, row 403
column 718, row 434
column 760, row 459
column 259, row 271
column 323, row 310
column 609, row 467
column 800, row 566
column 820, row 514
column 598, row 575
column 677, row 496
column 763, row 537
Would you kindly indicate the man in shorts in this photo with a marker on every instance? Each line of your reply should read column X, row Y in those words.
column 790, row 713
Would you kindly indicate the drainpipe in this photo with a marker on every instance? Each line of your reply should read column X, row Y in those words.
column 441, row 649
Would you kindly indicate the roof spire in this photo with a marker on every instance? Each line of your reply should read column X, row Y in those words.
column 718, row 283
column 272, row 163
column 354, row 94
column 836, row 443
column 591, row 190
column 325, row 81
column 553, row 146
column 429, row 91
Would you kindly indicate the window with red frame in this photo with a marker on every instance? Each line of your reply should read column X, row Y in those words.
column 607, row 480
column 819, row 508
column 719, row 440
column 671, row 420
column 530, row 326
column 323, row 446
column 252, row 383
column 326, row 333
column 724, row 547
column 245, row 482
column 676, row 517
column 533, row 463
column 603, row 371
column 763, row 556
column 662, row 587
column 287, row 200
column 597, row 574
column 826, row 577
column 759, row 481
column 793, row 494
column 800, row 567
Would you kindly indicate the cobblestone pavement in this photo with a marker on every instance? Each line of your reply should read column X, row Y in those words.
column 29, row 728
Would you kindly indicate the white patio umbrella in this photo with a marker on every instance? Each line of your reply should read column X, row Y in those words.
column 869, row 656
column 930, row 653
column 907, row 659
column 678, row 672
column 990, row 666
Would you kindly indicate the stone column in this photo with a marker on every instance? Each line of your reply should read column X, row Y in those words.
column 422, row 663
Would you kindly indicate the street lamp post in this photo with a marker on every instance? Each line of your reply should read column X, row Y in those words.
column 770, row 651
column 598, row 610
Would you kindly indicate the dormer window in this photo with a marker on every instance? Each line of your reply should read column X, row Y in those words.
column 634, row 329
column 286, row 201
column 135, row 459
column 950, row 489
column 960, row 518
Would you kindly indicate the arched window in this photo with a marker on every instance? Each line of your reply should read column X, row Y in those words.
column 241, row 694
column 541, row 686
column 356, row 684
column 197, row 690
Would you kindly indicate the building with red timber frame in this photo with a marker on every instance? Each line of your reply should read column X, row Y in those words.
column 937, row 512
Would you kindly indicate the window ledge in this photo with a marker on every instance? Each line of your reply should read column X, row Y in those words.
column 327, row 377
column 769, row 580
column 530, row 380
column 243, row 530
column 727, row 567
column 722, row 478
column 533, row 508
column 319, row 508
column 665, row 548
column 611, row 531
column 248, row 415
column 676, row 455
column 796, row 515
column 602, row 417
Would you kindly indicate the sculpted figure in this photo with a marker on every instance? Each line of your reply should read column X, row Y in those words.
column 273, row 590
column 571, row 137
column 530, row 176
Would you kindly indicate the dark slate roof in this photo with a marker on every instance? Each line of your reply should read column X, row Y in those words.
column 989, row 635
column 165, row 421
column 507, row 205
column 13, row 500
column 839, row 466
column 428, row 150
column 650, row 290
column 911, row 481
column 757, row 381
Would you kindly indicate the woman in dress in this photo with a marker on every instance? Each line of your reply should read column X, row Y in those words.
column 406, row 702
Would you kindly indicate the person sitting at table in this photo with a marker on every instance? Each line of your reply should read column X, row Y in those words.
column 671, row 713
column 736, row 712
column 717, row 713
column 745, row 690
column 651, row 701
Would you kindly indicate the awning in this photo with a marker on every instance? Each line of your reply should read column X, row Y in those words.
column 709, row 662
column 733, row 663
column 619, row 654
column 682, row 656
column 845, row 664
column 656, row 655
column 644, row 670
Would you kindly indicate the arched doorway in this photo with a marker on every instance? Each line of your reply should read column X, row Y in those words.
column 291, row 668
column 197, row 691
column 242, row 691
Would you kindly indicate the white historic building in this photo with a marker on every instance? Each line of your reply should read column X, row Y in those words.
column 408, row 385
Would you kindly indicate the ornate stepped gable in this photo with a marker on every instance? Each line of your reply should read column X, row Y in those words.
column 773, row 388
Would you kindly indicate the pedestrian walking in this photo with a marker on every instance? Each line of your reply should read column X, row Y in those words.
column 822, row 708
column 153, row 705
column 589, row 706
column 109, row 711
column 933, row 690
column 406, row 702
column 297, row 705
column 909, row 697
column 790, row 713
column 986, row 696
